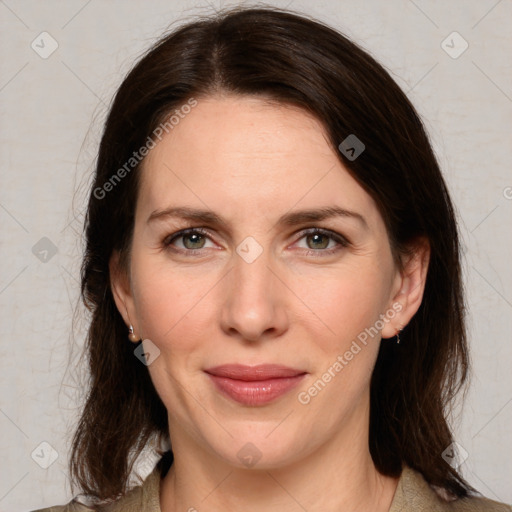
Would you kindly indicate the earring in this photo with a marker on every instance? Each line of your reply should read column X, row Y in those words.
column 132, row 336
column 398, row 335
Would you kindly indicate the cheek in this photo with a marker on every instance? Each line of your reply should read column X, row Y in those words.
column 172, row 306
column 174, row 314
column 341, row 303
column 344, row 340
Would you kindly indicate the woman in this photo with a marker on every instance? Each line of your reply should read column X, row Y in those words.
column 270, row 228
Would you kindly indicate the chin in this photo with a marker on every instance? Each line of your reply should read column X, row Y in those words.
column 256, row 449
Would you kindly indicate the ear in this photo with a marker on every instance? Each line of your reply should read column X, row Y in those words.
column 121, row 290
column 409, row 286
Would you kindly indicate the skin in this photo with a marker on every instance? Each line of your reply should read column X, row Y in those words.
column 250, row 162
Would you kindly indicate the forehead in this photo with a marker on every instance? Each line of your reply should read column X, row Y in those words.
column 243, row 153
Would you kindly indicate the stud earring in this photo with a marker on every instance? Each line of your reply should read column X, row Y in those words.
column 132, row 336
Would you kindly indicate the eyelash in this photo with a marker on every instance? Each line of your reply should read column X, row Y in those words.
column 341, row 240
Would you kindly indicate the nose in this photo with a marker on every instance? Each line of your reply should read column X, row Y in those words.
column 253, row 308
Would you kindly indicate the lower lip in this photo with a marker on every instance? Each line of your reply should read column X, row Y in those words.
column 254, row 393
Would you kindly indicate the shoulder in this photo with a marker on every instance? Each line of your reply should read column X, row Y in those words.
column 72, row 506
column 142, row 498
column 413, row 493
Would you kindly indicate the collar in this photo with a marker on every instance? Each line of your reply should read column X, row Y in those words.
column 413, row 493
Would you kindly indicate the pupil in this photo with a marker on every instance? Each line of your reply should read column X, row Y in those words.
column 195, row 238
column 316, row 237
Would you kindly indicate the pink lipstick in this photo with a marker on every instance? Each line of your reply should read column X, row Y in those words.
column 254, row 385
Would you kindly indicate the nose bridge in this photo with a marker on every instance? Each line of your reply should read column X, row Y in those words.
column 254, row 303
column 251, row 277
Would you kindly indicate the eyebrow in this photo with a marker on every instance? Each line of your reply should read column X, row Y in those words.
column 288, row 219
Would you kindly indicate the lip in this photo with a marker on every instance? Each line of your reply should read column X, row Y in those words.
column 254, row 385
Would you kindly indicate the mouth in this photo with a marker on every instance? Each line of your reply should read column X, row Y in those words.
column 254, row 385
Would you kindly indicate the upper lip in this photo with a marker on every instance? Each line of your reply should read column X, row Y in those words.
column 254, row 373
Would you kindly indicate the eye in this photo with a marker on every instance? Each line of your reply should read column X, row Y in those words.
column 322, row 241
column 319, row 242
column 188, row 240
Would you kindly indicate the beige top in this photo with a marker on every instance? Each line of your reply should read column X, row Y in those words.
column 413, row 494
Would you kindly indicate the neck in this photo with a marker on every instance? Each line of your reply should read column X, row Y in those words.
column 340, row 475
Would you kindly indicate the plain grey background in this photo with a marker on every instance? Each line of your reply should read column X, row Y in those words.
column 52, row 108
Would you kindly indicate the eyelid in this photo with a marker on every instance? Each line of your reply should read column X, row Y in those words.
column 167, row 241
column 340, row 239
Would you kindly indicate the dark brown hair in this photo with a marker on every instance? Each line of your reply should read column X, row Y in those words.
column 290, row 59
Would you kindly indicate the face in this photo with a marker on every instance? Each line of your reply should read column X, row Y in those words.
column 288, row 266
